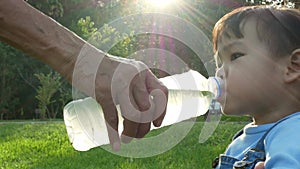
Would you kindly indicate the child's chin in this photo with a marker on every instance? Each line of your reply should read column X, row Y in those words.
column 231, row 111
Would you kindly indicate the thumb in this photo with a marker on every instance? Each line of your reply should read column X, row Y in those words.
column 260, row 165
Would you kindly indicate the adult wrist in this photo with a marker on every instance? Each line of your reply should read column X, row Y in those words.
column 90, row 67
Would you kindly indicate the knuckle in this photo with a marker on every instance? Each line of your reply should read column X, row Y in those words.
column 141, row 66
column 144, row 106
column 165, row 89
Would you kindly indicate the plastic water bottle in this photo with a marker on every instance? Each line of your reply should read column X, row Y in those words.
column 190, row 95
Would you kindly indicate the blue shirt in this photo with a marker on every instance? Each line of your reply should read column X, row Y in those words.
column 282, row 144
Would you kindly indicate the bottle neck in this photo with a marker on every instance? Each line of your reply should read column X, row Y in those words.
column 214, row 86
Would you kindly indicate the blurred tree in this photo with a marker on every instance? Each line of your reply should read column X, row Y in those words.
column 49, row 85
column 53, row 8
column 107, row 38
column 8, row 90
column 280, row 3
column 16, row 80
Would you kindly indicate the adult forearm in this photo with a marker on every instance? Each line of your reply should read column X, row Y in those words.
column 38, row 35
column 110, row 80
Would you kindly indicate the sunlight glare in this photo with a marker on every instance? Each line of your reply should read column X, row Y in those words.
column 161, row 3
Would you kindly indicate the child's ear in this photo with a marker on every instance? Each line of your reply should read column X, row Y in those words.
column 293, row 67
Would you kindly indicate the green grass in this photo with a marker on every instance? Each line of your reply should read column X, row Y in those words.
column 46, row 146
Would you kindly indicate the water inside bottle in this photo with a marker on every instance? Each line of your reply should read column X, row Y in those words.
column 185, row 104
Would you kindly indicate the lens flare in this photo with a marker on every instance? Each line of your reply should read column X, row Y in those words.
column 161, row 3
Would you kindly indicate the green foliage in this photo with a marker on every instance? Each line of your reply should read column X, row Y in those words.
column 8, row 79
column 53, row 8
column 107, row 38
column 280, row 3
column 16, row 82
column 86, row 27
column 49, row 85
column 46, row 145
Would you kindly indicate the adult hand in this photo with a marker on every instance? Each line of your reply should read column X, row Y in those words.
column 142, row 98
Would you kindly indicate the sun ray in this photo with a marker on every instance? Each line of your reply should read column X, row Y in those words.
column 161, row 3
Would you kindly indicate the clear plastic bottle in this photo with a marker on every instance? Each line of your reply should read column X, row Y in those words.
column 190, row 95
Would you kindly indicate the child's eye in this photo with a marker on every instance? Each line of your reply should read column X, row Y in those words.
column 236, row 55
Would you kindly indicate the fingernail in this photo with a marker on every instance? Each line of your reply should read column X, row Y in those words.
column 116, row 146
column 157, row 123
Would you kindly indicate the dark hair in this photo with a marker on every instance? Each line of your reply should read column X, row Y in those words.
column 278, row 28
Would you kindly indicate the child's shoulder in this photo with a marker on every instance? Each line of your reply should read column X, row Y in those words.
column 286, row 130
column 282, row 144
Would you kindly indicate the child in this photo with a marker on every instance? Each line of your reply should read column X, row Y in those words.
column 259, row 53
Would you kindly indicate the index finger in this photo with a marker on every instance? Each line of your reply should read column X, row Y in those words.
column 159, row 92
column 112, row 121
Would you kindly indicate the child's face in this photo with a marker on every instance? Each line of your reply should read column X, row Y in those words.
column 251, row 76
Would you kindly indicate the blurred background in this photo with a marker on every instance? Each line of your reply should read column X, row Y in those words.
column 31, row 90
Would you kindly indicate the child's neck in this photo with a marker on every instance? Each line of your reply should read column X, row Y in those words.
column 272, row 117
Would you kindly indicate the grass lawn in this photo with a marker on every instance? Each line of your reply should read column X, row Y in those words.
column 46, row 146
